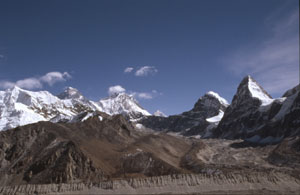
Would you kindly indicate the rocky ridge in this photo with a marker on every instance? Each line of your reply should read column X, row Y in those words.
column 205, row 115
column 255, row 116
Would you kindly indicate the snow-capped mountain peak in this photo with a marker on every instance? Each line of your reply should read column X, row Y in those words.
column 70, row 93
column 258, row 92
column 122, row 103
column 210, row 100
column 20, row 107
column 250, row 91
column 218, row 97
column 159, row 113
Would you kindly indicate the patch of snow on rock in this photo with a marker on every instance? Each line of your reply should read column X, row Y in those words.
column 89, row 115
column 217, row 118
column 139, row 126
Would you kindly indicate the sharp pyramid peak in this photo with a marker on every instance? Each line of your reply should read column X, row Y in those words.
column 254, row 89
column 69, row 93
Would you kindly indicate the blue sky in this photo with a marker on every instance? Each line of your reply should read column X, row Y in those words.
column 178, row 50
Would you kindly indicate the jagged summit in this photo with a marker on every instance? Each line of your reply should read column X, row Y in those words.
column 255, row 116
column 258, row 92
column 21, row 107
column 205, row 115
column 122, row 103
column 210, row 100
column 218, row 97
column 70, row 93
column 249, row 89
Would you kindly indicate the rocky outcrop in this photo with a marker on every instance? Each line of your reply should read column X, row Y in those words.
column 193, row 122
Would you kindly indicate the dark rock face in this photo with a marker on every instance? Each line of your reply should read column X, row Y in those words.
column 242, row 115
column 248, row 118
column 291, row 121
column 192, row 122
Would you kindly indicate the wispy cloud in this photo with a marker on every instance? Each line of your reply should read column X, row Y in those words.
column 54, row 77
column 145, row 71
column 113, row 90
column 141, row 71
column 146, row 95
column 142, row 95
column 37, row 82
column 128, row 70
column 275, row 61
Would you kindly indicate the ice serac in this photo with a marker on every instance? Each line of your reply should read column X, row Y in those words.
column 122, row 103
column 205, row 115
column 255, row 116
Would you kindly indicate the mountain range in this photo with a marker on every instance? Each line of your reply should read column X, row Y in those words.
column 20, row 107
column 253, row 114
column 114, row 145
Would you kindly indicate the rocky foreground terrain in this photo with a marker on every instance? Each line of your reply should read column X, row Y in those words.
column 106, row 154
column 251, row 146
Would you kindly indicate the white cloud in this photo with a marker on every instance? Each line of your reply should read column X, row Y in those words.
column 128, row 70
column 142, row 95
column 145, row 71
column 115, row 90
column 37, row 82
column 53, row 77
column 29, row 83
column 146, row 95
column 6, row 84
column 275, row 61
